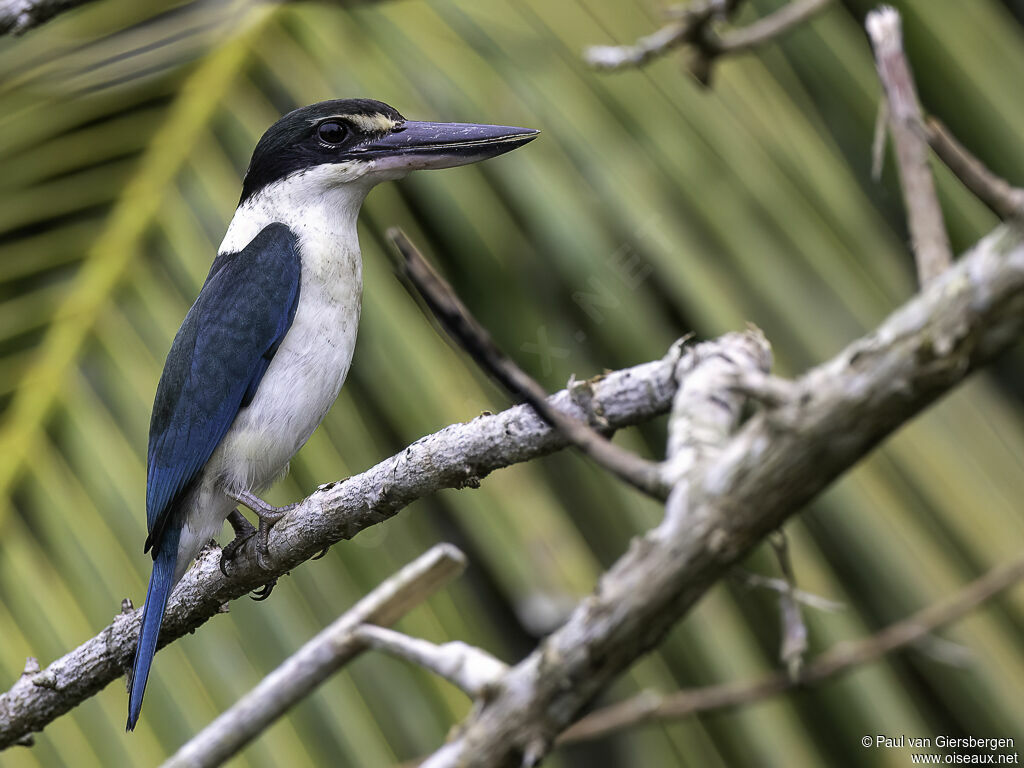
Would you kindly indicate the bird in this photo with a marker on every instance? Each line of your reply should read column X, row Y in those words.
column 263, row 352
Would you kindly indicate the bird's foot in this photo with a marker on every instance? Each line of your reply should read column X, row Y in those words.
column 244, row 530
column 268, row 515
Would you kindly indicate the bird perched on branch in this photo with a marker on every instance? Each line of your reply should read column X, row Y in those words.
column 263, row 352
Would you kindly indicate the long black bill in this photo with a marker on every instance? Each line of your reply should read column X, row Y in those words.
column 419, row 145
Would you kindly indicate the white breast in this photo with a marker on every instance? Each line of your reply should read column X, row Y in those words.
column 306, row 374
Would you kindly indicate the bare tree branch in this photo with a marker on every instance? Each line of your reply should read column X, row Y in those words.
column 771, row 27
column 692, row 25
column 878, row 140
column 470, row 669
column 924, row 216
column 469, row 334
column 458, row 456
column 778, row 461
column 650, row 706
column 686, row 27
column 318, row 659
column 1005, row 200
column 811, row 600
column 794, row 630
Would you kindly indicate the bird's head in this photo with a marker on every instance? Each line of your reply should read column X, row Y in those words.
column 360, row 142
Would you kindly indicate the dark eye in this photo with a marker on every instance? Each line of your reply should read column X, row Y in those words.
column 331, row 133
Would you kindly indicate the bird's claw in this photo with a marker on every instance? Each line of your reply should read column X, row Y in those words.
column 263, row 544
column 244, row 531
column 261, row 594
column 323, row 552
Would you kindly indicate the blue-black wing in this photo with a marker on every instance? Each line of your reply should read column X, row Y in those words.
column 216, row 362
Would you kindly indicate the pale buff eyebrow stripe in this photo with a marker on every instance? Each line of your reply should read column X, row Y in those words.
column 365, row 123
column 370, row 123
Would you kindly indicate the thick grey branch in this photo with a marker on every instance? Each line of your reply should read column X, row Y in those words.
column 456, row 457
column 778, row 461
column 708, row 405
column 318, row 659
column 924, row 216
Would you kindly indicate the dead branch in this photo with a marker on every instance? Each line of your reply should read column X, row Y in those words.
column 771, row 27
column 1006, row 201
column 472, row 670
column 693, row 26
column 928, row 236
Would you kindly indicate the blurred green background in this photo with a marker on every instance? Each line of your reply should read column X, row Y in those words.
column 649, row 208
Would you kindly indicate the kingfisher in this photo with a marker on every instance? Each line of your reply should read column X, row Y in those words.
column 264, row 350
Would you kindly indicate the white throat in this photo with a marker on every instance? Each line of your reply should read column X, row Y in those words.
column 319, row 204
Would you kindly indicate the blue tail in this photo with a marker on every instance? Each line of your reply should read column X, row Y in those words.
column 161, row 582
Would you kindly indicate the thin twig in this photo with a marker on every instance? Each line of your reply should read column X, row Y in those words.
column 650, row 46
column 687, row 26
column 878, row 140
column 1006, row 201
column 924, row 216
column 794, row 630
column 650, row 706
column 692, row 25
column 771, row 27
column 811, row 600
column 474, row 339
column 318, row 659
column 944, row 652
column 471, row 669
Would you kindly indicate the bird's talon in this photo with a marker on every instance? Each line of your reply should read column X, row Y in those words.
column 261, row 594
column 230, row 551
column 262, row 561
column 244, row 531
column 323, row 552
column 263, row 544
